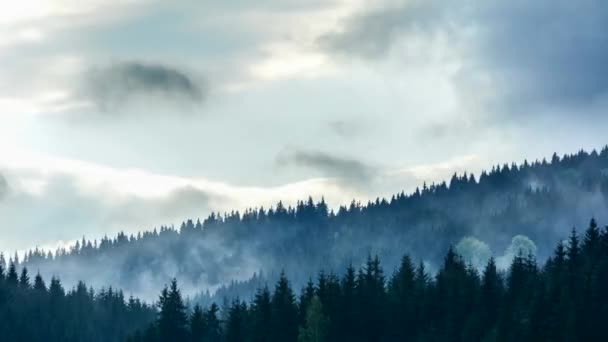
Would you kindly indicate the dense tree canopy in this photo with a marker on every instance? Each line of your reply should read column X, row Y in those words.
column 563, row 300
column 37, row 312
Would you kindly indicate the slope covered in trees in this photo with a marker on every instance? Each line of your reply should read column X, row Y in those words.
column 563, row 300
column 539, row 200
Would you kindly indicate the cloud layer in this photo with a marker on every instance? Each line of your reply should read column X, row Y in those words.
column 530, row 53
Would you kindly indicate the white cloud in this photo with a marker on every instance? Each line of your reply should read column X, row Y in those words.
column 64, row 197
column 286, row 60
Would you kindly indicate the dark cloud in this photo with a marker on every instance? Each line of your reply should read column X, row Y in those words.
column 536, row 53
column 328, row 165
column 119, row 84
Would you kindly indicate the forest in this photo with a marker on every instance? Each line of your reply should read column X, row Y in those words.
column 31, row 310
column 563, row 299
column 233, row 253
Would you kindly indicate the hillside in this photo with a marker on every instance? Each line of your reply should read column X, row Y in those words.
column 563, row 299
column 536, row 201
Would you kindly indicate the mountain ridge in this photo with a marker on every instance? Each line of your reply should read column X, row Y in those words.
column 536, row 200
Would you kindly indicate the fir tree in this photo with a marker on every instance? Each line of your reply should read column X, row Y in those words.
column 172, row 320
column 284, row 313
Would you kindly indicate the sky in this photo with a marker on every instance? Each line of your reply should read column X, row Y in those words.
column 131, row 114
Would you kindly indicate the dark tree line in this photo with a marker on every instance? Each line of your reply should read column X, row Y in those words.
column 31, row 310
column 566, row 299
column 538, row 199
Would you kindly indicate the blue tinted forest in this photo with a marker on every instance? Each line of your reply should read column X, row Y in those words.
column 541, row 200
column 563, row 299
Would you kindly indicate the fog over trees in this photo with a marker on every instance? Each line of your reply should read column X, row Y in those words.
column 530, row 205
column 562, row 299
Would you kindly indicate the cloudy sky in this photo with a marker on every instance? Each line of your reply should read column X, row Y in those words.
column 125, row 115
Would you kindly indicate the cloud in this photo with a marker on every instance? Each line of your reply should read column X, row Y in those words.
column 518, row 55
column 53, row 199
column 328, row 165
column 64, row 209
column 3, row 187
column 120, row 84
column 370, row 34
column 345, row 129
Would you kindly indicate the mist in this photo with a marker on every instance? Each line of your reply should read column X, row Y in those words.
column 504, row 212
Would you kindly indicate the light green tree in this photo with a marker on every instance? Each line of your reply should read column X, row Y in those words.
column 315, row 325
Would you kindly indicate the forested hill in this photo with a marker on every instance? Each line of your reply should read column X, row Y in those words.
column 538, row 200
column 564, row 299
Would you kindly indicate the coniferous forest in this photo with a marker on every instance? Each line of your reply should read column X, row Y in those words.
column 33, row 310
column 537, row 202
column 563, row 299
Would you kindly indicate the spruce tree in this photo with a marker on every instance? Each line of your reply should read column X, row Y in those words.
column 172, row 320
column 284, row 313
column 39, row 284
column 491, row 296
column 197, row 325
column 236, row 324
column 348, row 318
column 260, row 315
column 11, row 276
column 402, row 301
column 213, row 327
column 308, row 292
column 24, row 279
